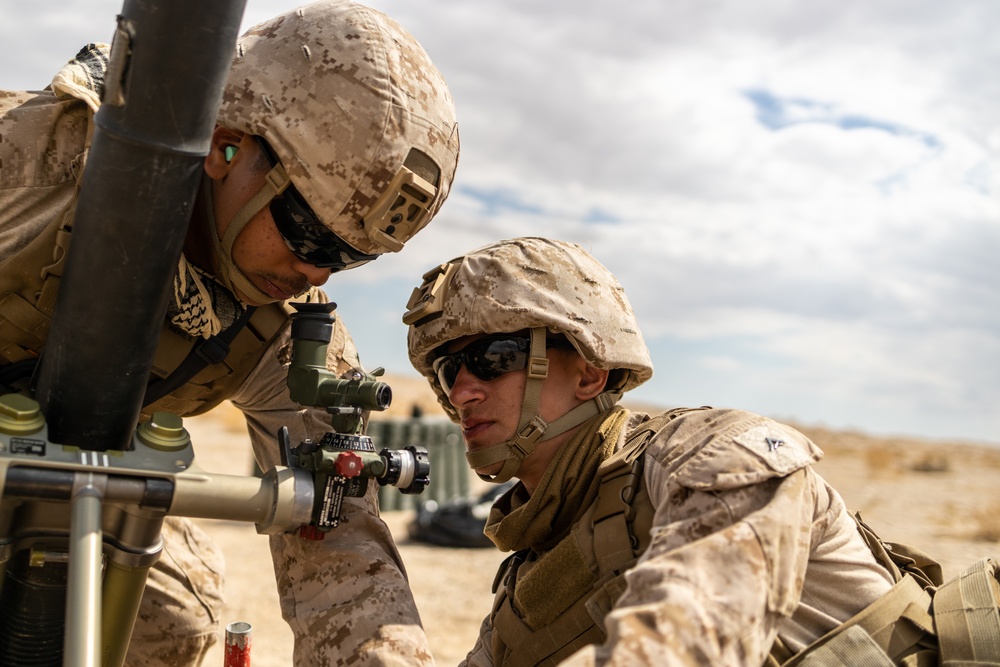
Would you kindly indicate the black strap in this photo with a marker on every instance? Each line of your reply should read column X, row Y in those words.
column 208, row 351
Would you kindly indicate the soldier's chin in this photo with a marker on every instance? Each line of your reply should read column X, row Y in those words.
column 274, row 296
column 490, row 470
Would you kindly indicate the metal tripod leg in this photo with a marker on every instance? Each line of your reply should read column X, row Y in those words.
column 81, row 647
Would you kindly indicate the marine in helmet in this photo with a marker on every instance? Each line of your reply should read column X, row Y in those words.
column 696, row 536
column 336, row 142
column 289, row 147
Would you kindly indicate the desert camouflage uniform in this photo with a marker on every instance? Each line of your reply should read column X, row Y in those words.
column 346, row 597
column 748, row 543
column 704, row 538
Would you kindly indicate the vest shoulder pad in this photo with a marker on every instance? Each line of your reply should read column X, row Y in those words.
column 729, row 449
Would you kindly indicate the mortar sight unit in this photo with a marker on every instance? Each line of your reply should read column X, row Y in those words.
column 345, row 459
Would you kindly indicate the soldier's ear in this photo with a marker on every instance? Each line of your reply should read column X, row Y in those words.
column 591, row 383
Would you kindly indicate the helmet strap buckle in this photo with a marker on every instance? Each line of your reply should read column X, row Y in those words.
column 277, row 179
column 538, row 368
column 528, row 435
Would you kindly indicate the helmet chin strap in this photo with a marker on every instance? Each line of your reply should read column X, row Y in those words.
column 230, row 275
column 532, row 427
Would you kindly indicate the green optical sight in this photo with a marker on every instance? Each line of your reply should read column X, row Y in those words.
column 309, row 380
column 344, row 460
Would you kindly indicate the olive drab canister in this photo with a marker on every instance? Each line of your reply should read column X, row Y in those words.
column 358, row 115
column 522, row 284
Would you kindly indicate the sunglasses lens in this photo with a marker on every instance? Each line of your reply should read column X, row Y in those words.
column 496, row 357
column 487, row 359
column 446, row 369
column 310, row 239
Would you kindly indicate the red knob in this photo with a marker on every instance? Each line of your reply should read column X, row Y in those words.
column 311, row 533
column 349, row 464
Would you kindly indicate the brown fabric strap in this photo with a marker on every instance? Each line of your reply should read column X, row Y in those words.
column 967, row 614
column 52, row 275
column 518, row 520
column 229, row 275
column 538, row 370
column 900, row 559
column 536, row 623
column 898, row 623
column 613, row 540
column 549, row 645
column 854, row 647
column 530, row 427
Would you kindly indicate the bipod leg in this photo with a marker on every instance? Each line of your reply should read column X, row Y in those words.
column 81, row 646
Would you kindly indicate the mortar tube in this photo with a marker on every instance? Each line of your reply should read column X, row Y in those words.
column 169, row 64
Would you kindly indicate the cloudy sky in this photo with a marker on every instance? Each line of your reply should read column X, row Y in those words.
column 802, row 199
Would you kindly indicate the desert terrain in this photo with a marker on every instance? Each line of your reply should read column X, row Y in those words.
column 940, row 496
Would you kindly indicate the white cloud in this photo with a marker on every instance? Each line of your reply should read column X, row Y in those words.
column 839, row 265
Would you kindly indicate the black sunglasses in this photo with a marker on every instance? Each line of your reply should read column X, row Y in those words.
column 486, row 358
column 308, row 238
column 489, row 358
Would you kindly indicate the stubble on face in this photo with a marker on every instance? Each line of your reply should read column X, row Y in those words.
column 490, row 411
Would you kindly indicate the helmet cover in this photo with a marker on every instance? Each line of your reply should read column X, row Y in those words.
column 362, row 121
column 526, row 283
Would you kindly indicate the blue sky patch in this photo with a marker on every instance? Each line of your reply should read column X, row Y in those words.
column 495, row 202
column 777, row 113
column 597, row 216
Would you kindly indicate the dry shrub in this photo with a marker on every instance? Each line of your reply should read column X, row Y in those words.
column 932, row 462
column 881, row 460
column 987, row 523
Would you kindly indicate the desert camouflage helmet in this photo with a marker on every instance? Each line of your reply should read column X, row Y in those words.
column 527, row 283
column 358, row 115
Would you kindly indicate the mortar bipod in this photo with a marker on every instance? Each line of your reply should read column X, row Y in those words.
column 79, row 529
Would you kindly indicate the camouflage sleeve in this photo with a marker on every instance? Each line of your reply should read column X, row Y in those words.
column 733, row 496
column 345, row 597
column 42, row 152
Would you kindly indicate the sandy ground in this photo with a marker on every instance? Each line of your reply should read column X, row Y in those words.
column 939, row 496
